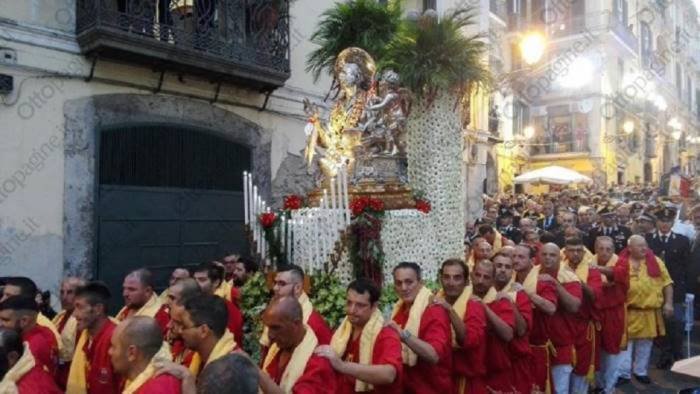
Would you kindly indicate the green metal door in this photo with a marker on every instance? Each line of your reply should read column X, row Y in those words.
column 168, row 197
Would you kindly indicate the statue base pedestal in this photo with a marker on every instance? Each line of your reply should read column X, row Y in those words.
column 382, row 176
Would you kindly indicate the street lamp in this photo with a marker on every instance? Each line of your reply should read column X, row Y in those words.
column 529, row 132
column 628, row 127
column 676, row 134
column 532, row 47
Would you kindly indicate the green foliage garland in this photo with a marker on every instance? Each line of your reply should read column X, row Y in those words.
column 328, row 297
column 254, row 297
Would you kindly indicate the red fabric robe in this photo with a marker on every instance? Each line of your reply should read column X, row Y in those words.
column 499, row 376
column 236, row 296
column 386, row 351
column 320, row 328
column 519, row 347
column 37, row 381
column 539, row 337
column 235, row 321
column 424, row 378
column 562, row 328
column 160, row 384
column 101, row 378
column 586, row 320
column 612, row 308
column 44, row 348
column 318, row 376
column 470, row 360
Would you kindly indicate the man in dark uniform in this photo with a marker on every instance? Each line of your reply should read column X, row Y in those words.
column 674, row 250
column 608, row 227
column 507, row 228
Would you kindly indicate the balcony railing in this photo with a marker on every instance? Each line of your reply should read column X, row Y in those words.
column 623, row 32
column 499, row 8
column 240, row 40
column 571, row 142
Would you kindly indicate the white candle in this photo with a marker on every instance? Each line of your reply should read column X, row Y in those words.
column 289, row 239
column 341, row 209
column 316, row 234
column 245, row 197
column 345, row 194
column 250, row 197
column 334, row 223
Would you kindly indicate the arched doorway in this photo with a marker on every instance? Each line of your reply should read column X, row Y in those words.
column 168, row 196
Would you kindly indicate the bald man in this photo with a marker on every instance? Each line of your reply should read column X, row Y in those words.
column 650, row 294
column 562, row 324
column 136, row 344
column 67, row 326
column 141, row 300
column 290, row 365
column 177, row 275
column 19, row 372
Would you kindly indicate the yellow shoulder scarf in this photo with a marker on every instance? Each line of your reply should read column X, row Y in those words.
column 149, row 309
column 163, row 297
column 530, row 282
column 413, row 324
column 67, row 337
column 306, row 309
column 567, row 275
column 8, row 385
column 497, row 242
column 224, row 346
column 224, row 291
column 45, row 322
column 132, row 385
column 77, row 379
column 460, row 308
column 369, row 334
column 493, row 293
column 297, row 363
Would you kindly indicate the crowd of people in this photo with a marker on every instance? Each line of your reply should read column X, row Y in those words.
column 563, row 293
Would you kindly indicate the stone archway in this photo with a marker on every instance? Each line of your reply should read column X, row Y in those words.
column 85, row 117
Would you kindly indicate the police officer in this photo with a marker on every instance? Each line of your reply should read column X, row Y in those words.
column 674, row 250
column 608, row 227
column 508, row 229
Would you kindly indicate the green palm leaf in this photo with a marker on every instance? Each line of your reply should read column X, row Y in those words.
column 434, row 55
column 359, row 23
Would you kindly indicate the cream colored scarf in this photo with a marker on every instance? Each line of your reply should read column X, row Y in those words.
column 225, row 345
column 8, row 385
column 149, row 309
column 460, row 308
column 68, row 336
column 45, row 322
column 297, row 363
column 306, row 309
column 415, row 314
column 530, row 282
column 369, row 334
column 131, row 386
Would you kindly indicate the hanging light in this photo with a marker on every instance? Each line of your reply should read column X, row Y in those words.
column 529, row 132
column 532, row 47
column 676, row 134
column 628, row 127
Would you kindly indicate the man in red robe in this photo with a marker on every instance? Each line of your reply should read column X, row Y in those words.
column 289, row 282
column 18, row 368
column 290, row 365
column 20, row 313
column 136, row 344
column 543, row 296
column 500, row 319
column 365, row 355
column 141, row 300
column 587, row 318
column 468, row 331
column 91, row 370
column 611, row 305
column 562, row 325
column 177, row 294
column 209, row 277
column 518, row 347
column 424, row 329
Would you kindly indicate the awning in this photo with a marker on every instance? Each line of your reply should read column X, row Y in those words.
column 553, row 175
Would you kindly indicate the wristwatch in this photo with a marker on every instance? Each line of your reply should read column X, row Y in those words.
column 404, row 335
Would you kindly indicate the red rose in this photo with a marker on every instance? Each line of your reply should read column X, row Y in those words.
column 358, row 205
column 292, row 202
column 268, row 219
column 376, row 204
column 423, row 206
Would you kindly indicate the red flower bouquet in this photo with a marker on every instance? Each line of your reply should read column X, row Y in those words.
column 292, row 202
column 362, row 204
column 267, row 220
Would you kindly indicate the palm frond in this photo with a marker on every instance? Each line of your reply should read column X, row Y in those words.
column 359, row 23
column 435, row 55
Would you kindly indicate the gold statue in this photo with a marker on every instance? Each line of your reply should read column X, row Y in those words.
column 335, row 139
